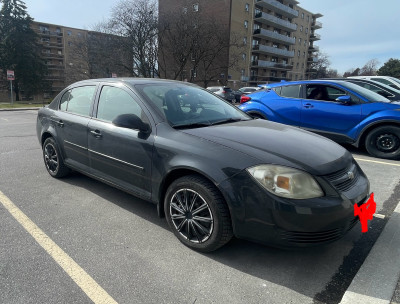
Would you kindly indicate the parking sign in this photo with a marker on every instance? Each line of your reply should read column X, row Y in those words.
column 10, row 75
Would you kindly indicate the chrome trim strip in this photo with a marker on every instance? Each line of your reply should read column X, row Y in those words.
column 116, row 159
column 83, row 148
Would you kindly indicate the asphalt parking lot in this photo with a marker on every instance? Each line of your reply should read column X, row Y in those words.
column 76, row 240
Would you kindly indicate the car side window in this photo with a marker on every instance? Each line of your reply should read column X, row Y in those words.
column 114, row 102
column 322, row 92
column 291, row 91
column 381, row 80
column 78, row 100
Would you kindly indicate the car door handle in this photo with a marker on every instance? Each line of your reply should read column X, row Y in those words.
column 60, row 123
column 96, row 133
column 308, row 106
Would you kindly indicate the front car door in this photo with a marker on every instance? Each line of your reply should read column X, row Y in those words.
column 119, row 155
column 71, row 123
column 287, row 108
column 322, row 114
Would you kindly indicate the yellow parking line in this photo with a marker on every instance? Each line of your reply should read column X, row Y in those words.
column 377, row 162
column 89, row 286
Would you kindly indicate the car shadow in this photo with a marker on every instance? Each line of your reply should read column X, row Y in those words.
column 304, row 270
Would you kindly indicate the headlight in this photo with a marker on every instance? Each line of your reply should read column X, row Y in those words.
column 286, row 182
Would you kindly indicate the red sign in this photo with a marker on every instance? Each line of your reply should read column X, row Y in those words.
column 365, row 212
column 114, row 75
column 10, row 75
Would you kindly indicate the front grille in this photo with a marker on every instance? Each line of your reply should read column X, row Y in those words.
column 311, row 237
column 343, row 180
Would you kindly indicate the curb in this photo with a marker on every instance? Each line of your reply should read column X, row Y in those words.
column 19, row 109
column 376, row 280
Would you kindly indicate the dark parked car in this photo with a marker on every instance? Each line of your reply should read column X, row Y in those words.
column 225, row 92
column 340, row 110
column 214, row 171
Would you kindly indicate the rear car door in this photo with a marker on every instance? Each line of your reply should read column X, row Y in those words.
column 119, row 155
column 71, row 122
column 286, row 108
column 324, row 115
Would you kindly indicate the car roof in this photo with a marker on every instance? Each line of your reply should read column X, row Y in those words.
column 300, row 82
column 132, row 81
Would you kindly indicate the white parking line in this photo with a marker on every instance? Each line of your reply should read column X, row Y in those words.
column 377, row 162
column 89, row 286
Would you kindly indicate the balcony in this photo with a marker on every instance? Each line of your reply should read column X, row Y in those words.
column 278, row 7
column 269, row 50
column 314, row 37
column 312, row 59
column 316, row 25
column 51, row 55
column 313, row 48
column 264, row 79
column 271, row 65
column 272, row 36
column 275, row 22
column 55, row 67
column 49, row 33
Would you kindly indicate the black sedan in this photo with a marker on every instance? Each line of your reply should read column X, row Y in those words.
column 213, row 171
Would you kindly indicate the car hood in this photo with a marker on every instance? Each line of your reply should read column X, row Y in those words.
column 274, row 143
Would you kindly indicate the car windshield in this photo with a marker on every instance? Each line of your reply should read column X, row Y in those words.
column 367, row 94
column 187, row 106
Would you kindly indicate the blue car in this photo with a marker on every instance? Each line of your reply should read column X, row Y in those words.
column 342, row 111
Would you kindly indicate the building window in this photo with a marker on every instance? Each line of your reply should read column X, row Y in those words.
column 294, row 39
column 299, row 40
column 79, row 34
column 305, row 42
column 256, row 26
column 304, row 54
column 307, row 30
column 247, row 7
column 255, row 42
column 298, row 53
column 69, row 33
column 196, row 7
column 246, row 24
column 193, row 73
column 308, row 18
column 222, row 76
column 242, row 72
column 184, row 10
column 244, row 56
column 59, row 52
column 69, row 43
column 244, row 40
column 302, row 15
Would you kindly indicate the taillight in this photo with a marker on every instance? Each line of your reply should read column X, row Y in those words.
column 244, row 99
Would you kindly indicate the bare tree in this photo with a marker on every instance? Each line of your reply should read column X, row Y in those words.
column 370, row 68
column 196, row 42
column 320, row 66
column 137, row 22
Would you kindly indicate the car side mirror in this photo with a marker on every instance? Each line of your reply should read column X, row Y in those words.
column 131, row 121
column 345, row 99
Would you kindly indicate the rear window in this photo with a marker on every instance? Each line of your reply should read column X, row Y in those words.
column 227, row 89
column 213, row 89
column 292, row 91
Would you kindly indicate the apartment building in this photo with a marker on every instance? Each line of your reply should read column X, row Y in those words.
column 278, row 37
column 73, row 54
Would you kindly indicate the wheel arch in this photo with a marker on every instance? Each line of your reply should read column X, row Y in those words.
column 178, row 173
column 364, row 133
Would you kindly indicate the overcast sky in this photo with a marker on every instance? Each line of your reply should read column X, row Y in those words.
column 353, row 32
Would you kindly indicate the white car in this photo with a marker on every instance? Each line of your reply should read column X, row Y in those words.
column 390, row 81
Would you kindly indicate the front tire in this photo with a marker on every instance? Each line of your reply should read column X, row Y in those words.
column 197, row 213
column 384, row 142
column 52, row 159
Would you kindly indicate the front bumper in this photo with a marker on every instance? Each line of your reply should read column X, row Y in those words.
column 260, row 216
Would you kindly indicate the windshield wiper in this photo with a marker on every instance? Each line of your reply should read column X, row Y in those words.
column 192, row 125
column 227, row 121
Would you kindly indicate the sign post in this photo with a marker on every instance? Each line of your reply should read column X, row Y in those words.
column 10, row 76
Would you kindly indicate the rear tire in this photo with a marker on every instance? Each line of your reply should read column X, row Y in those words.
column 53, row 160
column 384, row 142
column 197, row 213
